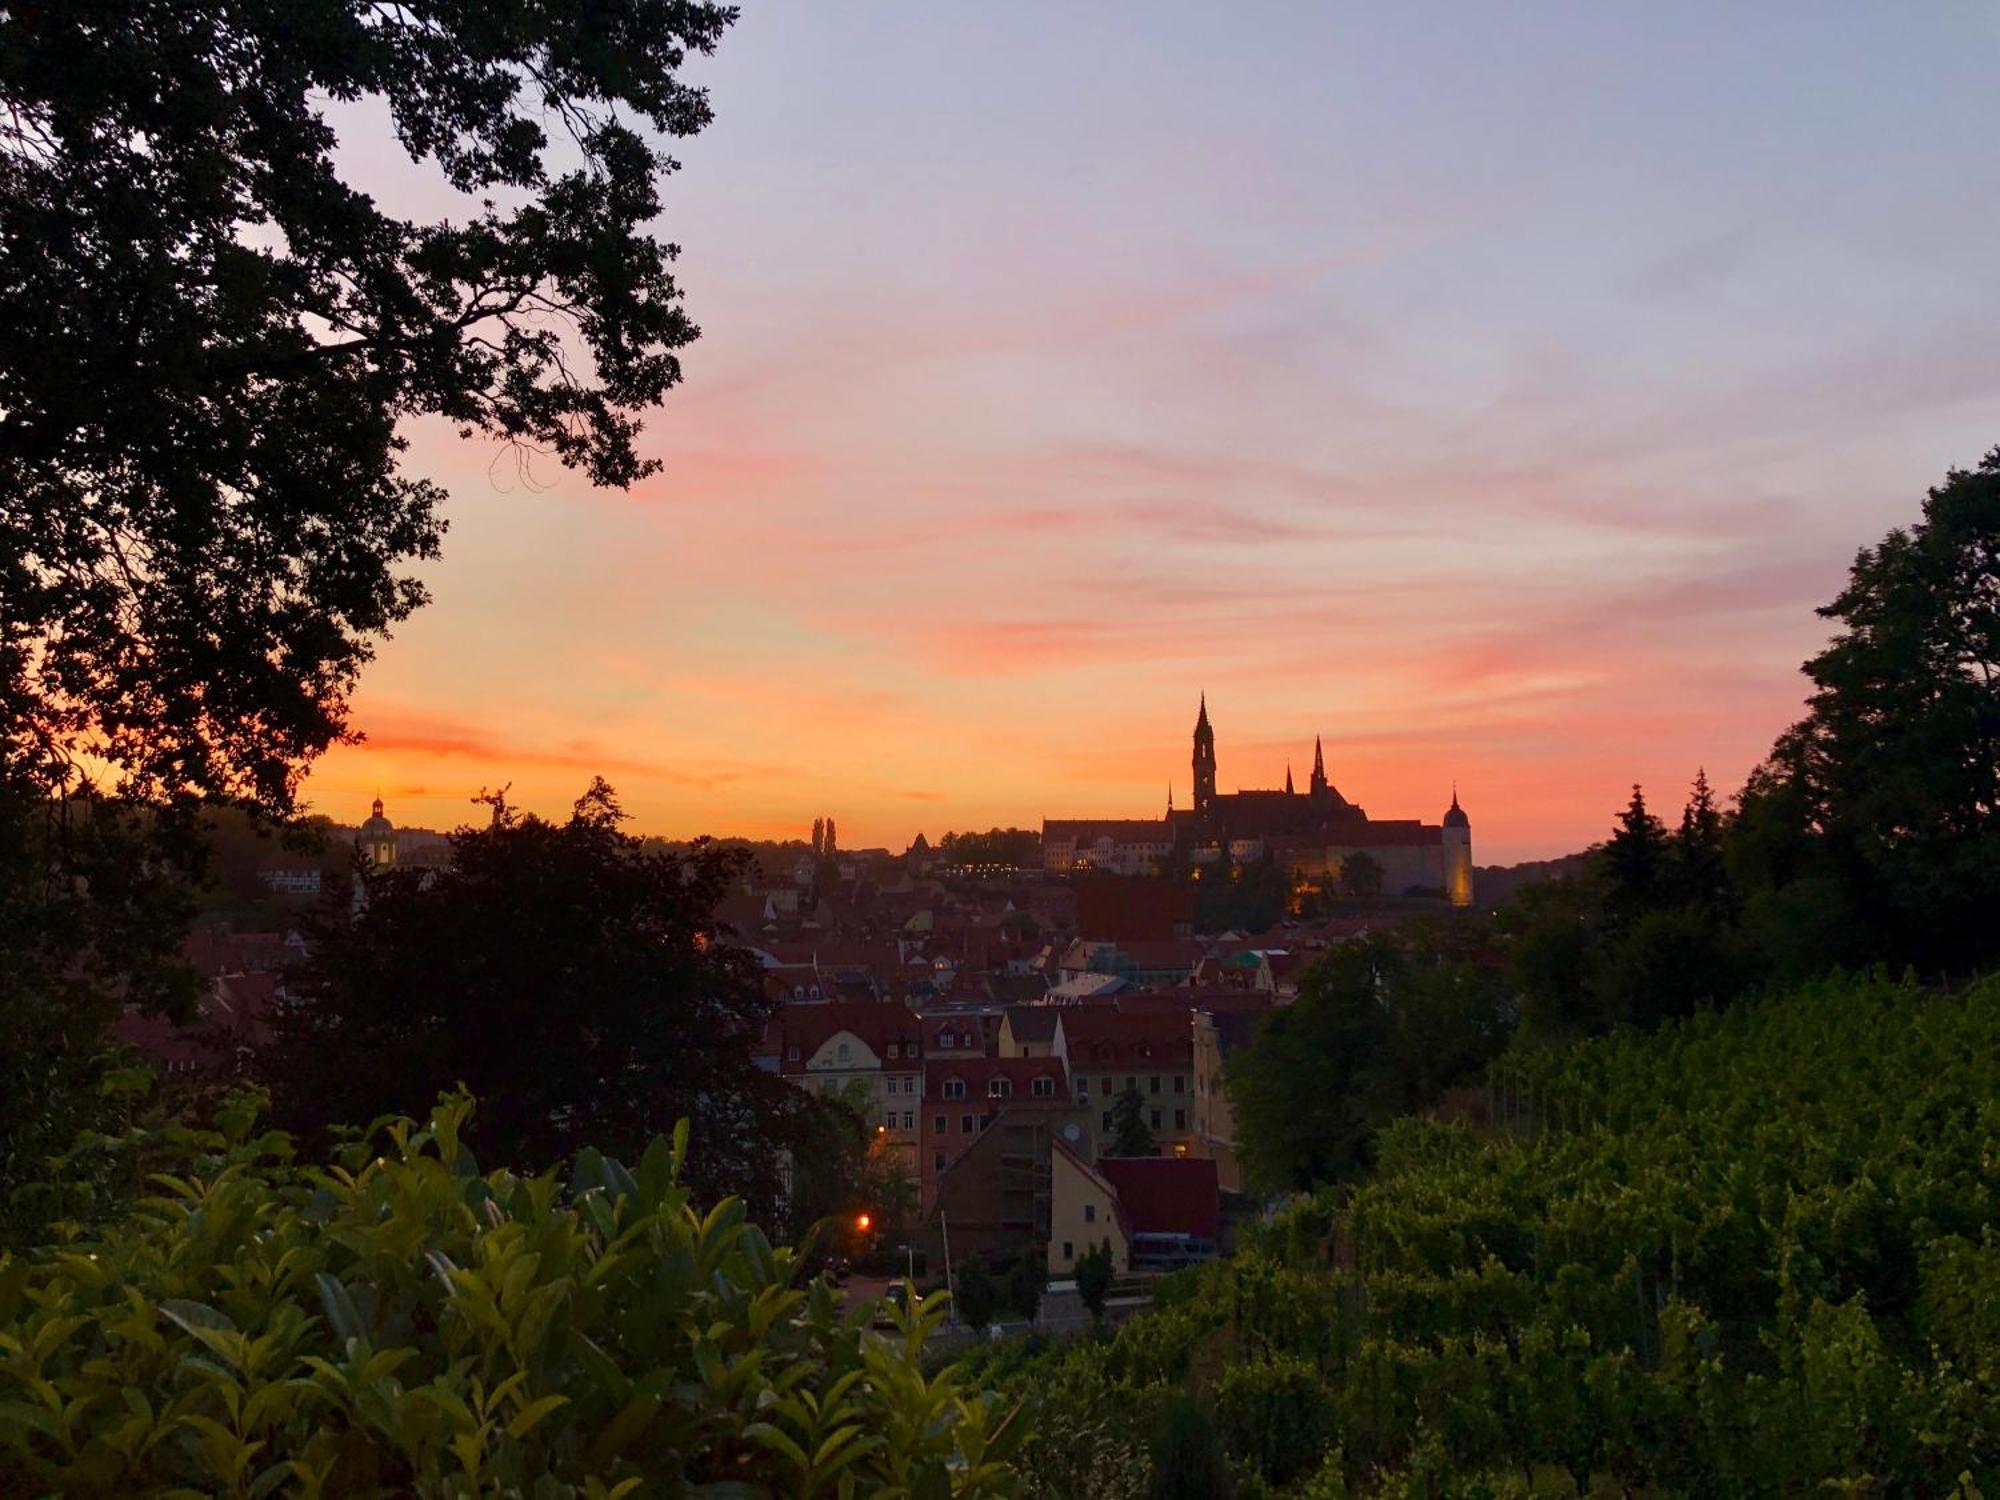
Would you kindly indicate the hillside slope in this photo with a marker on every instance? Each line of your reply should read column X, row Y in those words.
column 1753, row 1254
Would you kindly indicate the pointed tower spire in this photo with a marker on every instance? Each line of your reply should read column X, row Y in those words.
column 1288, row 779
column 1318, row 784
column 1204, row 761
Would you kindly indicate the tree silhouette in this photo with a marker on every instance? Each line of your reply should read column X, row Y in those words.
column 1130, row 1134
column 569, row 975
column 976, row 1295
column 215, row 342
column 1876, row 818
column 1094, row 1275
column 1700, row 856
column 1635, row 862
column 1361, row 875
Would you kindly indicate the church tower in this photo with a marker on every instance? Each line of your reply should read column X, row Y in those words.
column 1317, row 786
column 377, row 839
column 1204, row 762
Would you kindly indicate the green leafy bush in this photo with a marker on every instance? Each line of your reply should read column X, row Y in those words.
column 396, row 1323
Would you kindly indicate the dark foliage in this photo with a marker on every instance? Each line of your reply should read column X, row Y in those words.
column 975, row 1293
column 1027, row 1280
column 212, row 342
column 213, row 338
column 1881, row 808
column 1094, row 1275
column 573, row 978
column 1016, row 848
column 1361, row 875
column 1637, row 863
column 1243, row 898
column 1188, row 1462
column 1130, row 1134
column 1383, row 1025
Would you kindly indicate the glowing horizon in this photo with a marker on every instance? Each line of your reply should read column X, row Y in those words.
column 1494, row 396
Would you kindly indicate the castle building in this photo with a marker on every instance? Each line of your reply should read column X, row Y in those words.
column 1314, row 832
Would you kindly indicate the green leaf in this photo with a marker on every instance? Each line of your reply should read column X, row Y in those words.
column 342, row 1316
column 530, row 1415
column 195, row 1317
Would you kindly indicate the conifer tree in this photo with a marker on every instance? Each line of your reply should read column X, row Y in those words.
column 1635, row 862
column 819, row 833
column 1700, row 869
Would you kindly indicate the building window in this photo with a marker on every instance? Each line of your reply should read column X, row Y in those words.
column 1180, row 1119
column 965, row 1124
column 999, row 1088
column 1045, row 1088
column 1069, row 1251
column 1107, row 1122
column 1180, row 1083
column 792, row 1053
column 1156, row 1119
column 1153, row 1084
column 1090, row 1213
column 937, row 1162
column 842, row 1052
column 940, row 1123
column 954, row 1088
column 909, row 1120
column 1083, row 1090
column 1107, row 1086
column 889, row 1120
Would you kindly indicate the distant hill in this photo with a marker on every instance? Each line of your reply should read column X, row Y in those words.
column 1496, row 885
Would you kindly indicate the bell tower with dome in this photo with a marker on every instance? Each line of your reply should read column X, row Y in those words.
column 377, row 839
column 1456, row 836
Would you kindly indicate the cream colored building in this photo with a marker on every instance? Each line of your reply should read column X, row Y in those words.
column 1083, row 1213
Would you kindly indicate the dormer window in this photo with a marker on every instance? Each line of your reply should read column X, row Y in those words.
column 842, row 1052
column 1045, row 1088
column 954, row 1088
column 999, row 1088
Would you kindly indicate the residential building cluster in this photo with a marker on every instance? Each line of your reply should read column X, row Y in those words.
column 990, row 1028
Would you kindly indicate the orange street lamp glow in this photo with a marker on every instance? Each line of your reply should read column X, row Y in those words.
column 862, row 1222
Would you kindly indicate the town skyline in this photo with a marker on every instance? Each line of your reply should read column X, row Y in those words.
column 1495, row 394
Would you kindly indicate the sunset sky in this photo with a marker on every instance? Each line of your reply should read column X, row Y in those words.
column 1492, row 390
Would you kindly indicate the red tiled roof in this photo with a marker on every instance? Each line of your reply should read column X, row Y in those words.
column 1167, row 1194
column 966, row 1028
column 1097, row 1036
column 807, row 1028
column 977, row 1072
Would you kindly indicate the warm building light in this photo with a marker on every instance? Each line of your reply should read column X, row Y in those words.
column 862, row 1222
